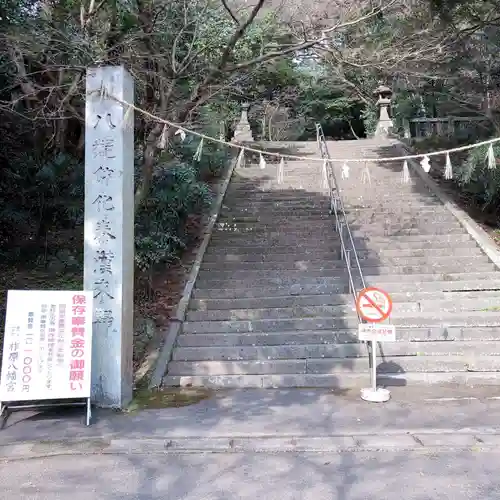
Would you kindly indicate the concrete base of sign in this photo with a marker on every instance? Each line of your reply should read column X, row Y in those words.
column 378, row 395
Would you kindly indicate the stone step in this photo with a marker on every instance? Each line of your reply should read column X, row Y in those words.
column 374, row 276
column 424, row 298
column 344, row 380
column 335, row 351
column 307, row 337
column 261, row 255
column 420, row 320
column 263, row 250
column 427, row 247
column 376, row 218
column 422, row 240
column 395, row 364
column 296, row 366
column 395, row 230
column 249, row 277
column 400, row 310
column 267, row 219
column 391, row 364
column 472, row 251
column 388, row 210
column 294, row 227
column 330, row 262
column 341, row 286
column 275, row 198
column 293, row 186
column 378, row 204
column 217, row 252
column 337, row 381
column 258, row 238
column 255, row 232
column 302, row 210
column 274, row 240
column 299, row 227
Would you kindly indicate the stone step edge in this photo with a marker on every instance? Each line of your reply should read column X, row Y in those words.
column 346, row 441
column 345, row 300
column 344, row 336
column 344, row 381
column 352, row 350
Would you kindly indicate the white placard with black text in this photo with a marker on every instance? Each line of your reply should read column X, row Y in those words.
column 47, row 346
column 376, row 332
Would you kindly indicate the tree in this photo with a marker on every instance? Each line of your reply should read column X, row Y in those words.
column 182, row 54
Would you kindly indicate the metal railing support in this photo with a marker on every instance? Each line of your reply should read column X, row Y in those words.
column 348, row 251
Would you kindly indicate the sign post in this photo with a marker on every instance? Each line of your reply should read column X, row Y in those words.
column 47, row 350
column 374, row 306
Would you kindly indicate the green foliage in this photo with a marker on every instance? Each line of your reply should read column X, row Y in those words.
column 474, row 177
column 38, row 195
column 370, row 119
column 161, row 227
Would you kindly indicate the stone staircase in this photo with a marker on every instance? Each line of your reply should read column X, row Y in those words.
column 271, row 305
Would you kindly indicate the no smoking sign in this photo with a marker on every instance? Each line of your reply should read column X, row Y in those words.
column 374, row 305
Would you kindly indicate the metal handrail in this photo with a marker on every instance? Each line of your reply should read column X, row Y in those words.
column 337, row 209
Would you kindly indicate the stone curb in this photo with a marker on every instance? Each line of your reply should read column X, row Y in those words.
column 487, row 245
column 160, row 361
column 437, row 440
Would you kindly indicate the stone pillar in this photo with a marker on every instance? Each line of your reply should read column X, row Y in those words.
column 406, row 128
column 243, row 132
column 384, row 125
column 109, row 231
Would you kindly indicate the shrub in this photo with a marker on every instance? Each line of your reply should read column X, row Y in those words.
column 474, row 177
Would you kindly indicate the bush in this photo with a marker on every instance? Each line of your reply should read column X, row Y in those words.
column 39, row 197
column 161, row 225
column 474, row 177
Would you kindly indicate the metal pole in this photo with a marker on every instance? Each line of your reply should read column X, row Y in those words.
column 374, row 365
column 89, row 411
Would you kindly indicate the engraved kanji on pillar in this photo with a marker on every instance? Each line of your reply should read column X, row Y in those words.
column 109, row 230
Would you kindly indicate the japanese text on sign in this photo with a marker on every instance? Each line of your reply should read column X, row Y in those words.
column 376, row 333
column 47, row 346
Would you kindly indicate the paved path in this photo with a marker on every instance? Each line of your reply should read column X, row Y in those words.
column 345, row 476
column 295, row 444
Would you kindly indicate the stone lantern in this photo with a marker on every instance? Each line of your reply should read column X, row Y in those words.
column 385, row 124
column 243, row 132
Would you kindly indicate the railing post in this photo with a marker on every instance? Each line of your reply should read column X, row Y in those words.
column 341, row 234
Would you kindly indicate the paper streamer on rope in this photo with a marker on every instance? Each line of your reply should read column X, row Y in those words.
column 280, row 174
column 365, row 176
column 324, row 175
column 448, row 171
column 241, row 158
column 127, row 123
column 199, row 149
column 162, row 142
column 490, row 158
column 345, row 171
column 405, row 176
column 426, row 164
column 182, row 134
column 262, row 162
column 104, row 92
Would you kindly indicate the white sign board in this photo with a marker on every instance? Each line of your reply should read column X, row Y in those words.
column 47, row 346
column 376, row 332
